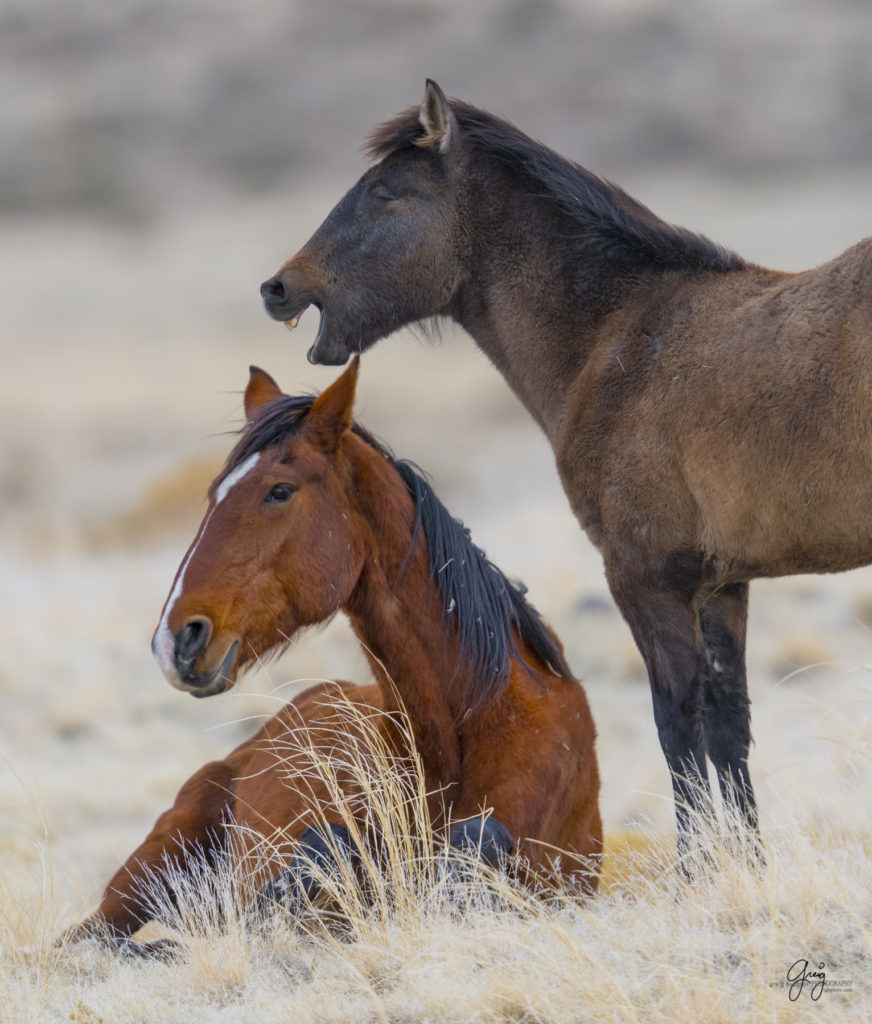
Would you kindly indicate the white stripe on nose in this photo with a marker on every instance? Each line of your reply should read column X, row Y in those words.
column 164, row 643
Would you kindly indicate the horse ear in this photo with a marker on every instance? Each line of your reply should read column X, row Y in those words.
column 260, row 390
column 331, row 413
column 436, row 119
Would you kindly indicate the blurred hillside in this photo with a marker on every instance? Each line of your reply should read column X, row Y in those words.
column 141, row 107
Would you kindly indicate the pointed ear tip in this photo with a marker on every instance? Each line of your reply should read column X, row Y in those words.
column 352, row 372
column 259, row 390
column 433, row 93
column 258, row 373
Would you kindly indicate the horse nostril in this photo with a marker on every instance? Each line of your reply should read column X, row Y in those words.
column 190, row 642
column 273, row 290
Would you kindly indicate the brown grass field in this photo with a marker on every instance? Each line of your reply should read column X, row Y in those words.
column 115, row 407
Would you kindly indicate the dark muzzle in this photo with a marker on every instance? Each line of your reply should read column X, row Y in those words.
column 273, row 293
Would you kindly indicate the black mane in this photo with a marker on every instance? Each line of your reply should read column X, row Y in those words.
column 612, row 221
column 487, row 607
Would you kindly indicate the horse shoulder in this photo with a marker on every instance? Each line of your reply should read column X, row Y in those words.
column 619, row 410
column 530, row 754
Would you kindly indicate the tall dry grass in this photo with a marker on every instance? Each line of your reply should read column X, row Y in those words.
column 417, row 942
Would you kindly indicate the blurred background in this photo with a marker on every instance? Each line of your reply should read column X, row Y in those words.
column 159, row 159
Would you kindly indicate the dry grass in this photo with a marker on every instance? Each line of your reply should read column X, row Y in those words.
column 417, row 944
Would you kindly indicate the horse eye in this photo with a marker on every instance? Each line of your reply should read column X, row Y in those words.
column 383, row 194
column 279, row 494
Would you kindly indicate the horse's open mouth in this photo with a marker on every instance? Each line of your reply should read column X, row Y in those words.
column 291, row 323
column 295, row 319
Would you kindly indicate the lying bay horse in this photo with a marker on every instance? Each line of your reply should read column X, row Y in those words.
column 711, row 419
column 312, row 516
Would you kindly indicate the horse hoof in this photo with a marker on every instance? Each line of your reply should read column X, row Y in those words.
column 161, row 950
column 281, row 894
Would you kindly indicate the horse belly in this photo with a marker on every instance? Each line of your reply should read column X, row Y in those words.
column 782, row 474
column 801, row 523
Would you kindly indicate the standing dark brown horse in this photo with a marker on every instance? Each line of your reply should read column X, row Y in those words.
column 311, row 516
column 711, row 419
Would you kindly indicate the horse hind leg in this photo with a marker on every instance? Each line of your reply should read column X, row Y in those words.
column 723, row 616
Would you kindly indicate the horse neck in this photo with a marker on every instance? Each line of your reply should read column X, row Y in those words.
column 537, row 297
column 396, row 612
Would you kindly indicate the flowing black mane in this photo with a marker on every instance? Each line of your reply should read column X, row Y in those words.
column 488, row 608
column 611, row 221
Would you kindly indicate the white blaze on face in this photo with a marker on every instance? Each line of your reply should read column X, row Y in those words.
column 232, row 479
column 164, row 643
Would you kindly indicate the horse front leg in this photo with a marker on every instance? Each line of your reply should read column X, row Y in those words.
column 484, row 838
column 326, row 855
column 723, row 616
column 192, row 828
column 663, row 619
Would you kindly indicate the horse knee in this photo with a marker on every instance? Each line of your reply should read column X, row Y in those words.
column 324, row 845
column 322, row 850
column 485, row 838
column 728, row 722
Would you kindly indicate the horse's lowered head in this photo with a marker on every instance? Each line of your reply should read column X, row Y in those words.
column 279, row 547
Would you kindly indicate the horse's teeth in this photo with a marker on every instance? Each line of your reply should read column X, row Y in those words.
column 292, row 323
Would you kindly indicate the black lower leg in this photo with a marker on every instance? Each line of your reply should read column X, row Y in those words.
column 682, row 740
column 728, row 738
column 323, row 852
column 162, row 950
column 727, row 708
column 484, row 838
column 661, row 610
